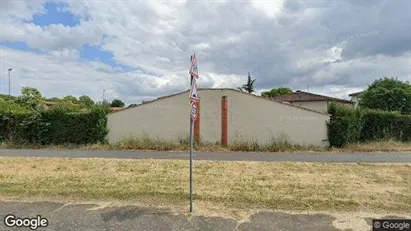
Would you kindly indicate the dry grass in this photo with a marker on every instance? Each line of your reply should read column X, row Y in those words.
column 382, row 146
column 146, row 143
column 288, row 186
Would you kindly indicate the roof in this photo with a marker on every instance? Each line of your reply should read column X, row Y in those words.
column 301, row 96
column 356, row 93
column 229, row 89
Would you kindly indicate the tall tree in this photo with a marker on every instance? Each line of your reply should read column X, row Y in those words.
column 117, row 103
column 86, row 101
column 30, row 97
column 70, row 98
column 249, row 86
column 54, row 99
column 276, row 92
column 388, row 94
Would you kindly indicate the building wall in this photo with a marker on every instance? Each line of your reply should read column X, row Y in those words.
column 249, row 117
column 167, row 119
column 348, row 105
column 320, row 106
column 355, row 99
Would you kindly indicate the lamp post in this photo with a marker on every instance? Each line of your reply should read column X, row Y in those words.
column 103, row 95
column 9, row 79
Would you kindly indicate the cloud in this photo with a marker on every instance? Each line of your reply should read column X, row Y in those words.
column 340, row 45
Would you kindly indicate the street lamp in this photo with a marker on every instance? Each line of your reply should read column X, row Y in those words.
column 103, row 95
column 9, row 79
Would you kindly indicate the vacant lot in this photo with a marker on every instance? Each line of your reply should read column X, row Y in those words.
column 290, row 186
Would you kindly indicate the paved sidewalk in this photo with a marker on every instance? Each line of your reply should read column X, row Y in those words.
column 219, row 156
column 87, row 217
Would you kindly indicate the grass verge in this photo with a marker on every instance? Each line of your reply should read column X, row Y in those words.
column 238, row 146
column 287, row 186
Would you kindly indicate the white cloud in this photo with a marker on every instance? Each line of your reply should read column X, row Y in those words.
column 270, row 8
column 282, row 43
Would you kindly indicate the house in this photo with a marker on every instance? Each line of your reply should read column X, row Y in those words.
column 225, row 116
column 311, row 101
column 355, row 97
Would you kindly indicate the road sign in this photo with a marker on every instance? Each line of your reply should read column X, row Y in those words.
column 193, row 116
column 193, row 91
column 193, row 70
column 194, row 110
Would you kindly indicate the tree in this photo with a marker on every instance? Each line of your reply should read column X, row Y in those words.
column 30, row 97
column 388, row 94
column 86, row 101
column 249, row 86
column 54, row 99
column 117, row 103
column 70, row 98
column 276, row 92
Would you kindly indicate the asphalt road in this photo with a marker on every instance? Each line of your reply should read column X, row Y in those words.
column 219, row 156
column 87, row 217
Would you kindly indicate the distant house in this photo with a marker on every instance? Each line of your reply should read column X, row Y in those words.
column 311, row 101
column 355, row 97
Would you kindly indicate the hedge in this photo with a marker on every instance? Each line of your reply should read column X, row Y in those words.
column 364, row 125
column 54, row 126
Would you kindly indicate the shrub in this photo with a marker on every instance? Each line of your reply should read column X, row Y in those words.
column 364, row 125
column 58, row 125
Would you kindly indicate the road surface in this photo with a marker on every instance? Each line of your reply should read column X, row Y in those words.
column 218, row 156
column 88, row 217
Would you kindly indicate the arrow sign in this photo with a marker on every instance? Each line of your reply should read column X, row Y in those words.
column 193, row 70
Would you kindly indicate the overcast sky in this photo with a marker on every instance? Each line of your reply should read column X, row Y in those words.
column 139, row 50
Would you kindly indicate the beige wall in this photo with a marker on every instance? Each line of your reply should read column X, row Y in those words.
column 355, row 99
column 249, row 117
column 167, row 119
column 320, row 106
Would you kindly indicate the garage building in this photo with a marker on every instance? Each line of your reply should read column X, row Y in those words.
column 225, row 116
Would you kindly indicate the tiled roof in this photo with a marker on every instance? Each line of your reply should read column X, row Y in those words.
column 300, row 96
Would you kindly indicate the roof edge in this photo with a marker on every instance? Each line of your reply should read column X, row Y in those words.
column 229, row 89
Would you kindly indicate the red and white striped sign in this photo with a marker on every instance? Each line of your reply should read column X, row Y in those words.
column 194, row 110
column 193, row 70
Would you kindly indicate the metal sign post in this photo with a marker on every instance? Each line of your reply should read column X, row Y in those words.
column 193, row 116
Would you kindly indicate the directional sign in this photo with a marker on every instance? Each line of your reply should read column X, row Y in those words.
column 193, row 91
column 193, row 70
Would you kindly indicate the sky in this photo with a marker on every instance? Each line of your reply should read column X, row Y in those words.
column 140, row 50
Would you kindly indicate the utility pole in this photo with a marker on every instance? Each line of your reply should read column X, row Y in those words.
column 9, row 79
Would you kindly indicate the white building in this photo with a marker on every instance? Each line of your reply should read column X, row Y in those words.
column 248, row 117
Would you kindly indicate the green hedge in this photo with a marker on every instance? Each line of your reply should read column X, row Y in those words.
column 54, row 126
column 364, row 125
